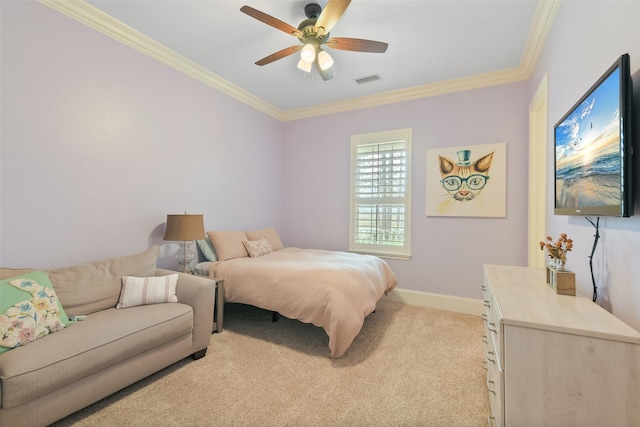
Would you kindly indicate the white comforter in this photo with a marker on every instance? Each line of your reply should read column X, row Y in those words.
column 333, row 290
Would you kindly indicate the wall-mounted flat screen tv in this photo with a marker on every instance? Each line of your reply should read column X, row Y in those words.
column 593, row 149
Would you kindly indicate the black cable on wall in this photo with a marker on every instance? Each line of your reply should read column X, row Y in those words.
column 596, row 236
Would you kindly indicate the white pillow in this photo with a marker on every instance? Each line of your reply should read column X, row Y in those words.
column 147, row 290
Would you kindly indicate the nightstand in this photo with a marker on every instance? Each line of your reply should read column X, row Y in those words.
column 218, row 304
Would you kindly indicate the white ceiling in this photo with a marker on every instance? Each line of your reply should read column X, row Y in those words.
column 430, row 42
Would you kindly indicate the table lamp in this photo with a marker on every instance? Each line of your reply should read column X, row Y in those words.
column 185, row 228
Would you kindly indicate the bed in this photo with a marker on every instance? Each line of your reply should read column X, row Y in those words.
column 330, row 289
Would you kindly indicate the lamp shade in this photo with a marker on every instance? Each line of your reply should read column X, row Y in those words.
column 184, row 227
column 304, row 66
column 308, row 53
column 324, row 60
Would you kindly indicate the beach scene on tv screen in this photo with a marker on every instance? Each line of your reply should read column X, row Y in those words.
column 588, row 150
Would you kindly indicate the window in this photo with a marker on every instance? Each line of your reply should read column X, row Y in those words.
column 381, row 193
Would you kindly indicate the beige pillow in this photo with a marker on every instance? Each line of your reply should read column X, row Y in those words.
column 228, row 244
column 258, row 248
column 147, row 290
column 96, row 286
column 270, row 234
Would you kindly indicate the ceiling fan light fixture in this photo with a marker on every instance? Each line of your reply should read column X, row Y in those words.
column 308, row 53
column 314, row 32
column 324, row 60
column 304, row 66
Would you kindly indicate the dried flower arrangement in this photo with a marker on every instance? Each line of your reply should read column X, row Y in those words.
column 558, row 250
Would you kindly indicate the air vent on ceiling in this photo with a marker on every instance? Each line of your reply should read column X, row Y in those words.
column 368, row 79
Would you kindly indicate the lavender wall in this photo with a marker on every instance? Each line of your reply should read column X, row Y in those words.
column 585, row 40
column 448, row 253
column 100, row 143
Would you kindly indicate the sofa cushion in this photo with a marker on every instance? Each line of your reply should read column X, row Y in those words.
column 6, row 273
column 92, row 287
column 29, row 309
column 102, row 340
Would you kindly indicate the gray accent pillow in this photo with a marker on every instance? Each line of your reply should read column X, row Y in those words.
column 207, row 249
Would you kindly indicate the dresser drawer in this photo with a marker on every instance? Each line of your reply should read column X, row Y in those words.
column 495, row 386
column 493, row 325
column 493, row 357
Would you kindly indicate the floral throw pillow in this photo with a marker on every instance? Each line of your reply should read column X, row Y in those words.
column 258, row 248
column 30, row 319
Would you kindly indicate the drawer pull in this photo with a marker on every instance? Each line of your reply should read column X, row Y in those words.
column 484, row 316
column 490, row 354
column 483, row 288
column 485, row 365
column 489, row 385
column 486, row 304
column 485, row 339
column 492, row 327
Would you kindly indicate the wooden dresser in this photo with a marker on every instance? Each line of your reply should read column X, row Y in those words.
column 556, row 360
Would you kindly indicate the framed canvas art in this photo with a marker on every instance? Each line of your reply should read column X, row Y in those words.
column 467, row 181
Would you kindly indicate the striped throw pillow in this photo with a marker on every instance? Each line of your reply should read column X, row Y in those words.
column 147, row 290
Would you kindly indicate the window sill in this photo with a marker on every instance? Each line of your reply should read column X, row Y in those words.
column 383, row 254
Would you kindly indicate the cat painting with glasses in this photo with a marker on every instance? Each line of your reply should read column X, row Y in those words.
column 467, row 181
column 464, row 179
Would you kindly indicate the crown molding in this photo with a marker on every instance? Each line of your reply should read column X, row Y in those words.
column 542, row 21
column 106, row 24
column 100, row 21
column 416, row 92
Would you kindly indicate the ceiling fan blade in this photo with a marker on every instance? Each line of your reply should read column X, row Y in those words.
column 357, row 45
column 279, row 55
column 325, row 74
column 330, row 15
column 270, row 20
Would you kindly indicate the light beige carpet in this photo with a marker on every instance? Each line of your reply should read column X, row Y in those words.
column 409, row 366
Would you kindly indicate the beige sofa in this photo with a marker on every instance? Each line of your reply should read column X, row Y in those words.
column 54, row 376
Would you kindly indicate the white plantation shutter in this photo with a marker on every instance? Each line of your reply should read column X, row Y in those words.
column 380, row 193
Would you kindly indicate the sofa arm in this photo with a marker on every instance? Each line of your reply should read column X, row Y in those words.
column 199, row 293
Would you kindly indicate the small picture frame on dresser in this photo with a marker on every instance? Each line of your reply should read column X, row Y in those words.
column 564, row 282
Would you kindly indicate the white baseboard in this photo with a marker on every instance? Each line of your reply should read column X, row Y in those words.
column 438, row 301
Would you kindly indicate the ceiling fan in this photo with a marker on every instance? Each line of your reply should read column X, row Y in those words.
column 313, row 32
